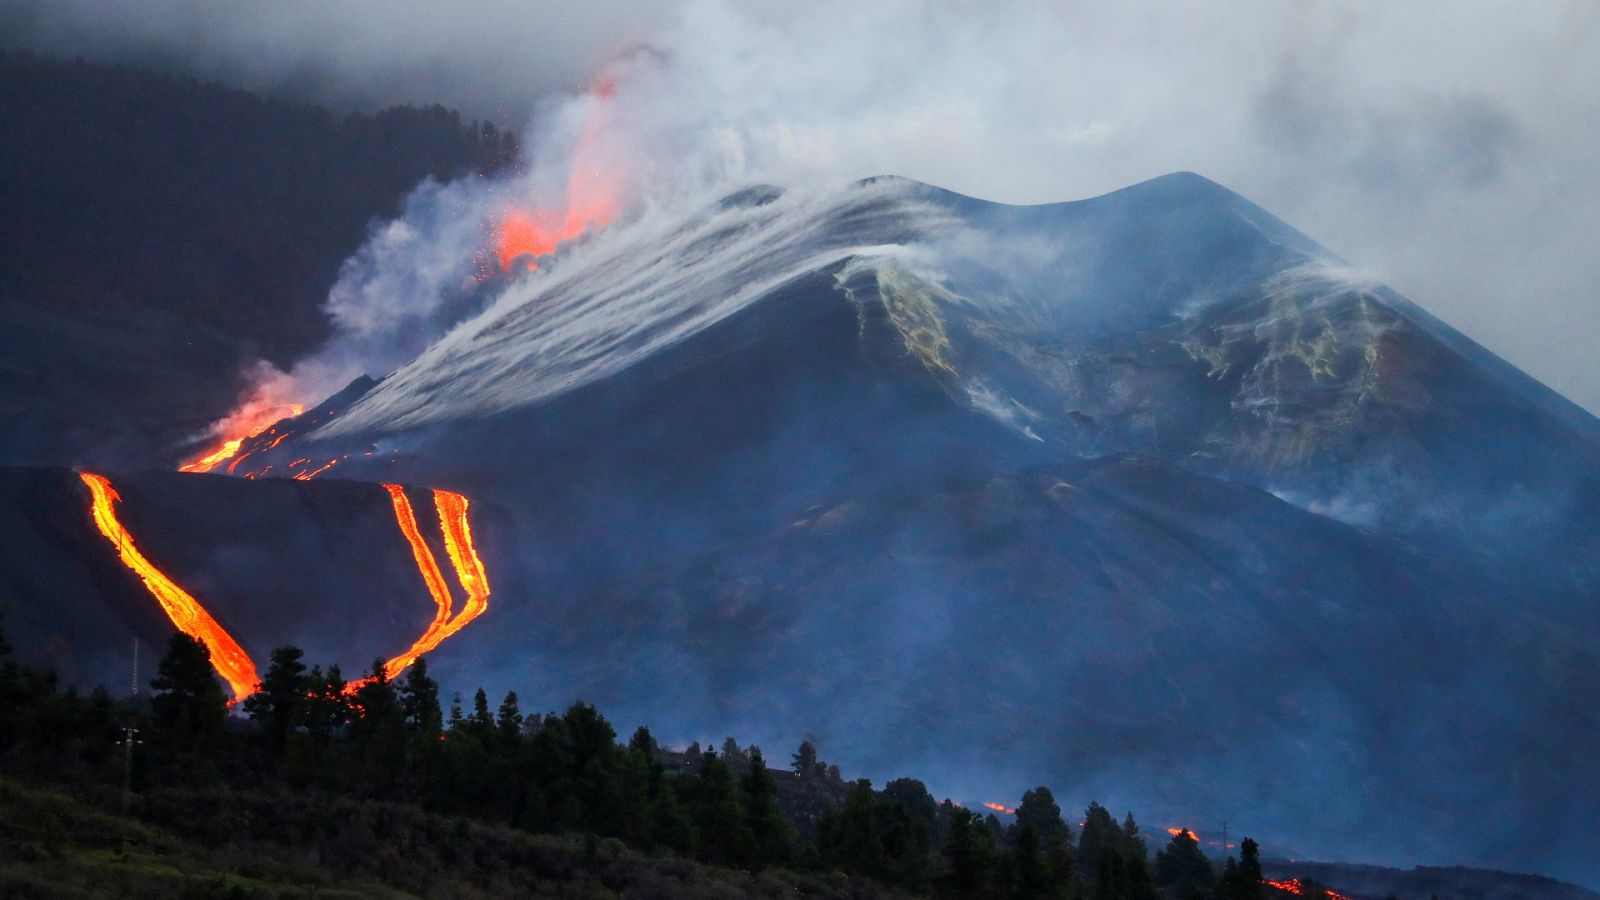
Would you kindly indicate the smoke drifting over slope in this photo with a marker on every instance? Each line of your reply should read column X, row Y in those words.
column 1442, row 146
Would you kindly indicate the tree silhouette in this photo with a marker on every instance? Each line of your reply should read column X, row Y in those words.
column 189, row 705
column 279, row 703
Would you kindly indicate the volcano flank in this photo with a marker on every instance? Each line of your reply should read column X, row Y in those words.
column 1149, row 496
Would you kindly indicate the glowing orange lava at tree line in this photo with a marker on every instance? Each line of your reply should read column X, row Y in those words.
column 1297, row 887
column 233, row 663
column 230, row 660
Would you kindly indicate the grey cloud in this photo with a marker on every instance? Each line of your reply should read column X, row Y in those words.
column 1464, row 140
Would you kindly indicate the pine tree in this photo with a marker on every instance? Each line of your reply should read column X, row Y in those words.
column 1136, row 862
column 725, row 838
column 280, row 699
column 189, row 705
column 419, row 700
column 1183, row 866
column 848, row 836
column 969, row 854
column 806, row 764
column 378, row 732
column 1099, row 831
column 508, row 723
column 909, row 824
column 1250, row 870
column 481, row 724
column 327, row 709
column 773, row 836
column 669, row 824
column 642, row 743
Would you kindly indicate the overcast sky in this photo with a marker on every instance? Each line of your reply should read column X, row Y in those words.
column 1447, row 148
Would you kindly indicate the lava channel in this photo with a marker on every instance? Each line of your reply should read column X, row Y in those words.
column 230, row 660
column 469, row 569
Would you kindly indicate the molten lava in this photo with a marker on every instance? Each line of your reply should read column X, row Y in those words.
column 594, row 193
column 469, row 568
column 431, row 577
column 1000, row 808
column 464, row 558
column 1297, row 887
column 247, row 422
column 308, row 474
column 230, row 660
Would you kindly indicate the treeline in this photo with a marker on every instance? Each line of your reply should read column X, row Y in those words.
column 309, row 732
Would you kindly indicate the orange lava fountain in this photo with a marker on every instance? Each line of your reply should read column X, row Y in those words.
column 230, row 660
column 594, row 194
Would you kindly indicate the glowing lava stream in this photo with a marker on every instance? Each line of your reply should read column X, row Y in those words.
column 464, row 559
column 182, row 608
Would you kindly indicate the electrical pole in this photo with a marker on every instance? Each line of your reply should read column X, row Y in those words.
column 135, row 685
column 130, row 737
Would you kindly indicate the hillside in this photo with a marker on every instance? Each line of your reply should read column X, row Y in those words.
column 159, row 234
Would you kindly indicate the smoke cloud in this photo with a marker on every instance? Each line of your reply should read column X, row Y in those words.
column 1442, row 146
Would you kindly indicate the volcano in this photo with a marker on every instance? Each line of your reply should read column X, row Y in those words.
column 1148, row 497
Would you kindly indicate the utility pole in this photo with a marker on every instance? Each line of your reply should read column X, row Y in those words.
column 1225, row 844
column 130, row 737
column 135, row 684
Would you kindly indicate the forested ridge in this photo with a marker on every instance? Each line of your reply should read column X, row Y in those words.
column 318, row 785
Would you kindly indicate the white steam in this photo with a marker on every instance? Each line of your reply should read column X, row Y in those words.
column 1442, row 146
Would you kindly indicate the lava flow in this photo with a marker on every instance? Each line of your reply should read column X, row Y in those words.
column 1297, row 887
column 253, row 422
column 464, row 559
column 1000, row 808
column 182, row 608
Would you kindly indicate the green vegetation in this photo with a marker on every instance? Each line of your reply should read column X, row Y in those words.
column 331, row 789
